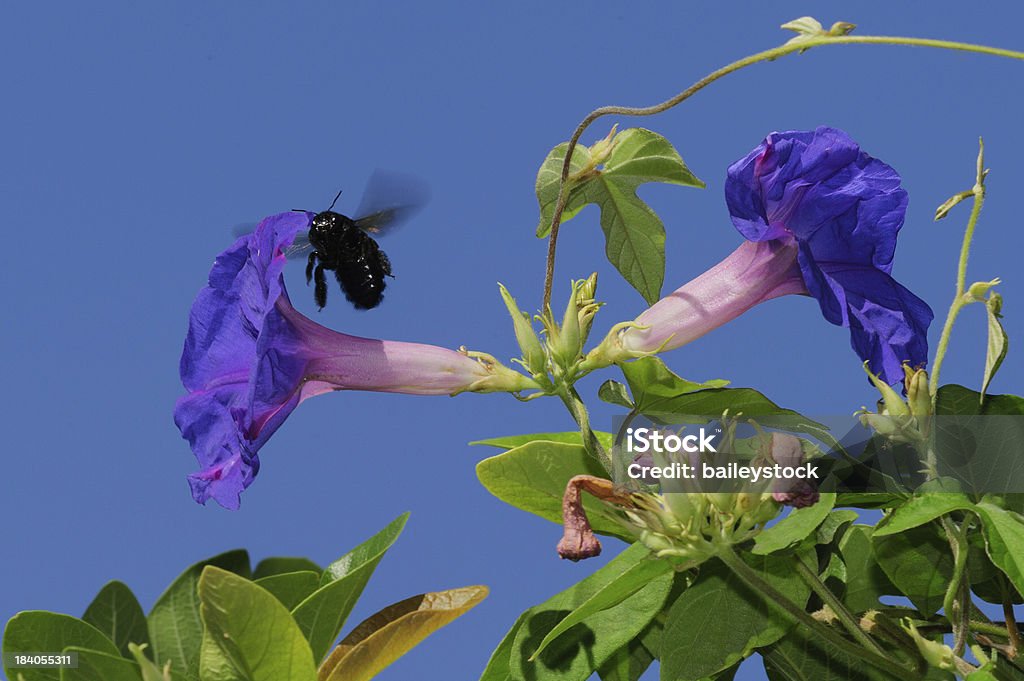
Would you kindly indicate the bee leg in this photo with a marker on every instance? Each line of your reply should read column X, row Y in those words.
column 310, row 262
column 320, row 292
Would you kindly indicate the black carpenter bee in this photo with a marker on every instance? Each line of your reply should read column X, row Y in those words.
column 344, row 244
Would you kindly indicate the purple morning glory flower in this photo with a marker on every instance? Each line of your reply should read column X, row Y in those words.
column 250, row 358
column 820, row 218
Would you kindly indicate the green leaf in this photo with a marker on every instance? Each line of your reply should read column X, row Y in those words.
column 291, row 588
column 918, row 561
column 802, row 656
column 634, row 235
column 607, row 440
column 97, row 666
column 499, row 667
column 655, row 387
column 619, row 589
column 548, row 178
column 983, row 454
column 533, row 477
column 865, row 579
column 322, row 615
column 214, row 663
column 175, row 628
column 661, row 397
column 116, row 612
column 725, row 620
column 956, row 400
column 252, row 629
column 922, row 509
column 391, row 633
column 630, row 661
column 835, row 524
column 998, row 341
column 615, row 393
column 279, row 565
column 577, row 653
column 36, row 631
column 1004, row 538
column 799, row 524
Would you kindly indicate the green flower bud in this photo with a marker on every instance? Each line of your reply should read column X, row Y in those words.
column 601, row 150
column 722, row 501
column 534, row 357
column 588, row 307
column 894, row 404
column 570, row 342
column 934, row 653
column 918, row 396
column 684, row 505
column 979, row 289
column 566, row 341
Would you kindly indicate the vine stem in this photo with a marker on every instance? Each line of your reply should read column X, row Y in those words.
column 1012, row 635
column 837, row 607
column 957, row 598
column 767, row 55
column 773, row 596
column 961, row 276
column 574, row 403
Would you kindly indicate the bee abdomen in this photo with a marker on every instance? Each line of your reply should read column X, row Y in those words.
column 362, row 273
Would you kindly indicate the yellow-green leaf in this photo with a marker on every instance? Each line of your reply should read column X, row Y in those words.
column 383, row 638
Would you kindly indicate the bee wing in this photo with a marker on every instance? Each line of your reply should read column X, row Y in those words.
column 298, row 248
column 390, row 199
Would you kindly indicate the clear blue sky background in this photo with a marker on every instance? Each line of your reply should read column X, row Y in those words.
column 134, row 135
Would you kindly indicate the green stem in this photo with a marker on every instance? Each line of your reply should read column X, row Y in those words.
column 845, row 616
column 956, row 603
column 767, row 55
column 574, row 403
column 961, row 287
column 1012, row 634
column 990, row 628
column 773, row 596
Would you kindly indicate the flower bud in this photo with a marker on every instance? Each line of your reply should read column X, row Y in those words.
column 588, row 307
column 566, row 341
column 601, row 150
column 918, row 396
column 534, row 357
column 894, row 404
column 934, row 653
column 979, row 289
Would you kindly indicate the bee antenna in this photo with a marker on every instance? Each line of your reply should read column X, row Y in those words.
column 335, row 200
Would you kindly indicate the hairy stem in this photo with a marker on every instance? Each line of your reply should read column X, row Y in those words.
column 961, row 287
column 574, row 403
column 767, row 55
column 956, row 602
column 845, row 616
column 773, row 596
column 1012, row 634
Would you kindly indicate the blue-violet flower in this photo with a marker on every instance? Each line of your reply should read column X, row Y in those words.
column 250, row 358
column 820, row 218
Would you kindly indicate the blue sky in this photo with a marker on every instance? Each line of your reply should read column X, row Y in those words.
column 137, row 134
